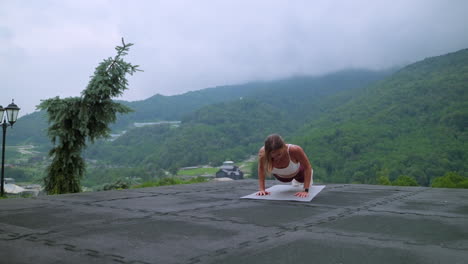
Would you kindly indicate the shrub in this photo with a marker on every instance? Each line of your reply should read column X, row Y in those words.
column 450, row 180
column 404, row 180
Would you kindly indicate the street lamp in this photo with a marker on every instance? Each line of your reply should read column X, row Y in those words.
column 8, row 116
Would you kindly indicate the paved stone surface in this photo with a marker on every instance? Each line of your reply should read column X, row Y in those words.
column 208, row 223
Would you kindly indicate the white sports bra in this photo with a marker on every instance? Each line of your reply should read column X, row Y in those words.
column 290, row 169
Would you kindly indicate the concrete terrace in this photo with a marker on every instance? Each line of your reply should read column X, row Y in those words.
column 208, row 223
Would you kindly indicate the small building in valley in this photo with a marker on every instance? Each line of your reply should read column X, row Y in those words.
column 229, row 170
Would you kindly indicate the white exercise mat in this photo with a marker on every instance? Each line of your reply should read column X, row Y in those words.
column 286, row 193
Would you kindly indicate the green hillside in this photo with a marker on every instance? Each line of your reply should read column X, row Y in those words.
column 414, row 123
column 286, row 91
column 234, row 130
column 160, row 107
column 225, row 131
column 31, row 129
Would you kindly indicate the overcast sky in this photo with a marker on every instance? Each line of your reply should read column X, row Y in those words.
column 50, row 48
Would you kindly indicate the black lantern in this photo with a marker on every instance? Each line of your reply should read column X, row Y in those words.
column 12, row 111
column 9, row 119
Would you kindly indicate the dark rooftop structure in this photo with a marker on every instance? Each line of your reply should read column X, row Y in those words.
column 229, row 170
column 208, row 223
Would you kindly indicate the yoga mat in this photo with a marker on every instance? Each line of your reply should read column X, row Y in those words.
column 286, row 193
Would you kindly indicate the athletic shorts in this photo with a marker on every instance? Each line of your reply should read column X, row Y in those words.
column 299, row 176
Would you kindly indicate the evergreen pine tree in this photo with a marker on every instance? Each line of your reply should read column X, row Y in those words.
column 75, row 120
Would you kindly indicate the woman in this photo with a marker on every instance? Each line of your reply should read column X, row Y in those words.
column 287, row 162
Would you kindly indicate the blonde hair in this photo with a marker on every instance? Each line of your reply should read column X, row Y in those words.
column 272, row 142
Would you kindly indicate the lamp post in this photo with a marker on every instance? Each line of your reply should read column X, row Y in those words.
column 8, row 116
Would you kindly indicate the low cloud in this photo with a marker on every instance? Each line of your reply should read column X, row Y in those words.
column 51, row 48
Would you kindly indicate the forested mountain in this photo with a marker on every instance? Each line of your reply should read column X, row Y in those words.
column 286, row 92
column 160, row 107
column 234, row 130
column 411, row 123
column 414, row 123
column 31, row 129
column 233, row 134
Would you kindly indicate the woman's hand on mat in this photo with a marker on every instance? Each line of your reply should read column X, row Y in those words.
column 302, row 194
column 263, row 193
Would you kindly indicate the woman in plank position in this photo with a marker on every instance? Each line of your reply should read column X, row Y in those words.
column 287, row 162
